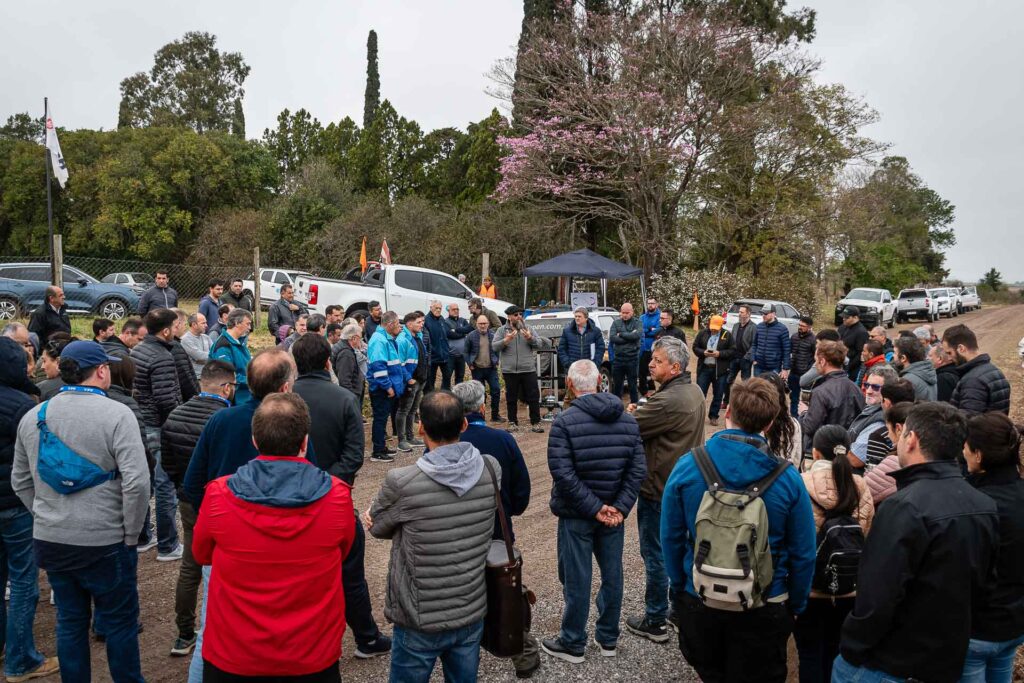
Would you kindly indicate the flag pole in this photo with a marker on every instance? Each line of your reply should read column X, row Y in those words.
column 49, row 192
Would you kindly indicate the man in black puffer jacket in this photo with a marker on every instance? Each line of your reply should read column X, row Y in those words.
column 803, row 343
column 597, row 465
column 178, row 439
column 982, row 387
column 854, row 335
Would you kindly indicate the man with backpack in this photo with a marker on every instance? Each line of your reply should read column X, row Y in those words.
column 738, row 537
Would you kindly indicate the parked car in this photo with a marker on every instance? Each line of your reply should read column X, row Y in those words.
column 786, row 313
column 876, row 306
column 398, row 288
column 550, row 325
column 138, row 282
column 956, row 300
column 916, row 303
column 23, row 289
column 271, row 280
column 943, row 301
column 970, row 299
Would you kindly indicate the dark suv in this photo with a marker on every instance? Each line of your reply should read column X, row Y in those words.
column 23, row 289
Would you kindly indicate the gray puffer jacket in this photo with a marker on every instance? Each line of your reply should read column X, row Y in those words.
column 439, row 513
column 926, row 382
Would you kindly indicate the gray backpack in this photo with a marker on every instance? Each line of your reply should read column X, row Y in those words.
column 732, row 562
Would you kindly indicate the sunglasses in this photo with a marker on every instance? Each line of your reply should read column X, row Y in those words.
column 873, row 387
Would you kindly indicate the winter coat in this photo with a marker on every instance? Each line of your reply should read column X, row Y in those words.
column 115, row 347
column 188, row 381
column 596, row 458
column 946, row 378
column 415, row 354
column 439, row 514
column 853, row 338
column 671, row 423
column 438, row 329
column 803, row 347
column 835, row 400
column 385, row 370
column 336, row 424
column 651, row 323
column 208, row 307
column 869, row 416
column 235, row 352
column 518, row 355
column 922, row 375
column 280, row 314
column 180, row 434
column 124, row 397
column 770, row 349
column 243, row 301
column 744, row 336
column 574, row 346
column 999, row 616
column 45, row 321
column 931, row 549
column 725, row 351
column 458, row 329
column 158, row 297
column 156, row 380
column 672, row 331
column 277, row 530
column 878, row 480
column 346, row 368
column 982, row 387
column 625, row 339
column 14, row 403
column 515, row 477
column 791, row 535
column 473, row 348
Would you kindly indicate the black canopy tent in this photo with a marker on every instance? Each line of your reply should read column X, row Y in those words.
column 584, row 263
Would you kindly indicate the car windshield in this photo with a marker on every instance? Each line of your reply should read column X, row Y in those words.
column 142, row 278
column 912, row 293
column 865, row 295
column 938, row 292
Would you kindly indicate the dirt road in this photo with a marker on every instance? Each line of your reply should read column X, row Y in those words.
column 998, row 329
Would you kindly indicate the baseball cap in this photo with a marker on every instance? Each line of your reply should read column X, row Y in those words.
column 767, row 308
column 88, row 354
column 849, row 312
column 716, row 322
column 513, row 310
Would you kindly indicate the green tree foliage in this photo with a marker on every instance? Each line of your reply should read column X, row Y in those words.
column 298, row 138
column 238, row 120
column 993, row 279
column 23, row 127
column 371, row 99
column 191, row 84
column 767, row 16
column 313, row 197
column 388, row 156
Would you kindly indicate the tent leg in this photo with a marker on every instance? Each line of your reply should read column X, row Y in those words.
column 604, row 291
column 643, row 294
column 524, row 291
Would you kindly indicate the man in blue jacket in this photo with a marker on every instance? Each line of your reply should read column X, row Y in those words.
column 771, row 349
column 581, row 340
column 650, row 323
column 386, row 377
column 232, row 347
column 437, row 329
column 745, row 645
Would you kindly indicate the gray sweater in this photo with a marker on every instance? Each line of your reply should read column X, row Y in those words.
column 100, row 430
column 517, row 355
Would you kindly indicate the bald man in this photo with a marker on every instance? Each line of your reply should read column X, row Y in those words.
column 625, row 338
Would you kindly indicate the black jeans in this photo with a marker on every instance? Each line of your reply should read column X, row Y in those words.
column 627, row 371
column 734, row 647
column 524, row 384
column 817, row 637
column 739, row 367
column 358, row 611
column 644, row 372
column 455, row 371
column 489, row 378
column 436, row 367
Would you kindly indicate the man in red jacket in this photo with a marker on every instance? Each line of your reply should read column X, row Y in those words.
column 276, row 531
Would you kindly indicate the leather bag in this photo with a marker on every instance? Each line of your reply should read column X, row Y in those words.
column 508, row 603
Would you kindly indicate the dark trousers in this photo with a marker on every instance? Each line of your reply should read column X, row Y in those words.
column 644, row 372
column 489, row 378
column 627, row 371
column 383, row 406
column 707, row 376
column 435, row 368
column 739, row 367
column 455, row 372
column 522, row 384
column 190, row 576
column 212, row 674
column 794, row 392
column 358, row 611
column 817, row 637
column 734, row 647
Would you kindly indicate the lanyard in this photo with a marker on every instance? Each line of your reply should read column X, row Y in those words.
column 82, row 390
column 478, row 423
column 206, row 394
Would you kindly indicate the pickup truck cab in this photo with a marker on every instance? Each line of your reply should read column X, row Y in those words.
column 876, row 306
column 916, row 303
column 969, row 298
column 271, row 280
column 945, row 303
column 398, row 288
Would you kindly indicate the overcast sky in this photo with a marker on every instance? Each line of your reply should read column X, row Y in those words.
column 944, row 75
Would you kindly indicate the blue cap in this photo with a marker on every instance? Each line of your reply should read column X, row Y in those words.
column 88, row 354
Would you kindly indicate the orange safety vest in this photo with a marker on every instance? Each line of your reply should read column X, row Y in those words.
column 489, row 292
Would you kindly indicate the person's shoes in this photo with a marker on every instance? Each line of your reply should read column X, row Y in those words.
column 382, row 457
column 183, row 646
column 512, row 427
column 713, row 421
column 673, row 618
column 657, row 633
column 144, row 547
column 404, row 447
column 554, row 647
column 606, row 650
column 537, row 429
column 171, row 556
column 417, row 443
column 498, row 419
column 381, row 645
column 50, row 665
column 528, row 673
column 390, row 451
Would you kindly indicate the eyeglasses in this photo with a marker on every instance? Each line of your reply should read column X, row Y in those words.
column 873, row 387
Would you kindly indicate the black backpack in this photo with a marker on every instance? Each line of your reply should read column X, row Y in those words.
column 840, row 544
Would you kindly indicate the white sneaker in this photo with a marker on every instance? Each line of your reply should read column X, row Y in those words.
column 144, row 547
column 173, row 555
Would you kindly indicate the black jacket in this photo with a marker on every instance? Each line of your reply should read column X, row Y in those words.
column 982, row 387
column 927, row 560
column 45, row 321
column 115, row 347
column 835, row 400
column 854, row 338
column 124, row 397
column 241, row 301
column 346, row 368
column 280, row 314
column 155, row 297
column 156, row 380
column 744, row 337
column 1001, row 616
column 187, row 380
column 948, row 376
column 336, row 425
column 14, row 403
column 725, row 351
column 180, row 434
column 673, row 331
column 803, row 352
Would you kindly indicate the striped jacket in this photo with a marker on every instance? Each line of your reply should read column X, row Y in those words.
column 385, row 370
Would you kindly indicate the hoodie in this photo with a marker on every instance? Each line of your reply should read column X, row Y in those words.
column 277, row 529
column 456, row 466
column 922, row 375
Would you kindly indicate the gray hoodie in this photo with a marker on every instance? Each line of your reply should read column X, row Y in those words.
column 457, row 466
column 926, row 382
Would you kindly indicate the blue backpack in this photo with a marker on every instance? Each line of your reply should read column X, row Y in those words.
column 61, row 468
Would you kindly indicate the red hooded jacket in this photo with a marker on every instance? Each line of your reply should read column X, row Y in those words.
column 275, row 532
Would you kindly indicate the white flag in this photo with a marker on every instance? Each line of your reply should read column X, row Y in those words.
column 60, row 170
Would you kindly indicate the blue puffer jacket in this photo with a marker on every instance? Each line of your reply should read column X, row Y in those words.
column 385, row 370
column 596, row 458
column 574, row 346
column 236, row 352
column 651, row 323
column 14, row 403
column 771, row 347
column 408, row 352
column 437, row 328
column 473, row 348
column 791, row 531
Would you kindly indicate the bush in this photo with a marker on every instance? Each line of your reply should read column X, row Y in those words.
column 800, row 292
column 716, row 290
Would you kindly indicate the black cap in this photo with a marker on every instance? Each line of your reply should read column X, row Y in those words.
column 513, row 310
column 849, row 312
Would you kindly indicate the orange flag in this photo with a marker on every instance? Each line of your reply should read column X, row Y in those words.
column 362, row 256
column 695, row 307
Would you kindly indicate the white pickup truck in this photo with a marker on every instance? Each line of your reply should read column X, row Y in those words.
column 398, row 288
column 271, row 280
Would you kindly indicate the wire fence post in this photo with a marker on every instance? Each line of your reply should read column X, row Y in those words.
column 58, row 261
column 256, row 304
column 485, row 266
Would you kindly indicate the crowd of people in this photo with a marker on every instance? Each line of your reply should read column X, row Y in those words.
column 864, row 496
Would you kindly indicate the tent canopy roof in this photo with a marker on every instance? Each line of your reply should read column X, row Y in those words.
column 583, row 263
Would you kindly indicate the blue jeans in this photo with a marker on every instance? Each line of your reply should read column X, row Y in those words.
column 195, row 667
column 580, row 540
column 166, row 501
column 414, row 653
column 628, row 372
column 794, row 393
column 707, row 376
column 18, row 564
column 990, row 662
column 489, row 378
column 110, row 584
column 648, row 522
column 844, row 672
column 383, row 406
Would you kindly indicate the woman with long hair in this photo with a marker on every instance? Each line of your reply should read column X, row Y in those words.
column 784, row 437
column 835, row 491
column 992, row 453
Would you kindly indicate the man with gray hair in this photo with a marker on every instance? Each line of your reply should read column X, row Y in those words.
column 597, row 465
column 345, row 361
column 195, row 342
column 232, row 347
column 671, row 424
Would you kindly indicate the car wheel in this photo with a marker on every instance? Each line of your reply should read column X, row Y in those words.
column 9, row 309
column 113, row 309
column 606, row 380
column 892, row 322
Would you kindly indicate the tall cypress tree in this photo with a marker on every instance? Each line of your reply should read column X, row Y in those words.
column 238, row 120
column 372, row 97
